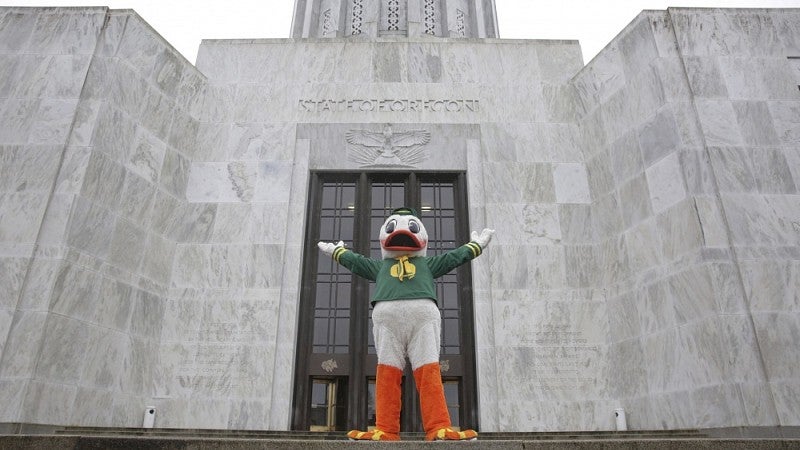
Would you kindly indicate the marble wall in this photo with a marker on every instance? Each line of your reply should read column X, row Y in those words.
column 152, row 215
column 44, row 59
column 83, row 333
column 667, row 106
column 750, row 138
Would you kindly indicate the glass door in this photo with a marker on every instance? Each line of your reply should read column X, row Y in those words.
column 335, row 365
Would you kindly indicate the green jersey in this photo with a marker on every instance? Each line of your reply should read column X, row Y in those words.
column 405, row 277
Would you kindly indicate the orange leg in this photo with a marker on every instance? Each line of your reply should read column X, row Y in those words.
column 388, row 394
column 433, row 405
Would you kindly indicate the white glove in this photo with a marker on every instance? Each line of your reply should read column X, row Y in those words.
column 328, row 247
column 483, row 238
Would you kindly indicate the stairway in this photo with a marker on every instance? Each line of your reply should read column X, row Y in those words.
column 19, row 436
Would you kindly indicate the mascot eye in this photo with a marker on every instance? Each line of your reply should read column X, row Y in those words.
column 390, row 226
column 413, row 227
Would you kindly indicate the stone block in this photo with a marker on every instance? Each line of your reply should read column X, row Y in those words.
column 600, row 175
column 767, row 284
column 558, row 61
column 626, row 158
column 705, row 77
column 90, row 229
column 41, row 277
column 571, row 183
column 656, row 309
column 147, row 312
column 113, row 133
column 74, row 33
column 183, row 132
column 784, row 394
column 20, row 215
column 575, row 221
column 168, row 72
column 114, row 311
column 759, row 408
column 509, row 266
column 760, row 220
column 175, row 173
column 637, row 46
column 607, row 217
column 71, row 291
column 733, row 169
column 221, row 182
column 103, row 181
column 126, row 89
column 250, row 101
column 48, row 402
column 248, row 415
column 715, row 406
column 209, row 412
column 92, row 406
column 660, row 361
column 16, row 29
column 103, row 360
column 719, row 123
column 697, row 172
column 12, row 395
column 642, row 246
column 270, row 223
column 680, row 230
column 137, row 200
column 562, row 104
column 63, row 350
column 158, row 257
column 424, row 63
column 709, row 34
column 386, row 63
column 772, row 171
column 658, row 137
column 715, row 232
column 157, row 114
column 274, row 182
column 263, row 268
column 755, row 123
column 626, row 373
column 209, row 266
column 138, row 361
column 665, row 183
column 692, row 293
column 139, row 46
column 623, row 320
column 634, row 201
column 785, row 118
column 12, row 275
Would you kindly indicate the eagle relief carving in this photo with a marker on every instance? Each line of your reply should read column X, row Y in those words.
column 387, row 148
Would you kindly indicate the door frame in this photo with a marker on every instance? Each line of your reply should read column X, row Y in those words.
column 359, row 369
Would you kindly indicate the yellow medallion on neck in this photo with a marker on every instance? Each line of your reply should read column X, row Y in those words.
column 404, row 269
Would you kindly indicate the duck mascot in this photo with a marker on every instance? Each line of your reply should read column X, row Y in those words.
column 407, row 322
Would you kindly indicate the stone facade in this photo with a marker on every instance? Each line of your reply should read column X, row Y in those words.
column 647, row 253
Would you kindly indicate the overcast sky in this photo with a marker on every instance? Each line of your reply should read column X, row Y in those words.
column 184, row 23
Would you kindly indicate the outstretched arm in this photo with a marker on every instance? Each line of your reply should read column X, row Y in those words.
column 483, row 237
column 328, row 248
column 441, row 264
column 358, row 264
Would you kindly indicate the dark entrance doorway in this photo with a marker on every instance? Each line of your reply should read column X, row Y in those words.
column 335, row 364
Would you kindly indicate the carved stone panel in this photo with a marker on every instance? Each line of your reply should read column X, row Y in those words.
column 387, row 148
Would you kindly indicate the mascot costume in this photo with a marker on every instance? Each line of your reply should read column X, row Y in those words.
column 407, row 322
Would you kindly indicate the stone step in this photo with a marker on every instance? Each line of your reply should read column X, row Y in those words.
column 67, row 442
column 27, row 436
column 339, row 435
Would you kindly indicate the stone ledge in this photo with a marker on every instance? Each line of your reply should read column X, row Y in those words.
column 36, row 442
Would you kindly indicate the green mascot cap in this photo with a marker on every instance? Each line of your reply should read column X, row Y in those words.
column 405, row 211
